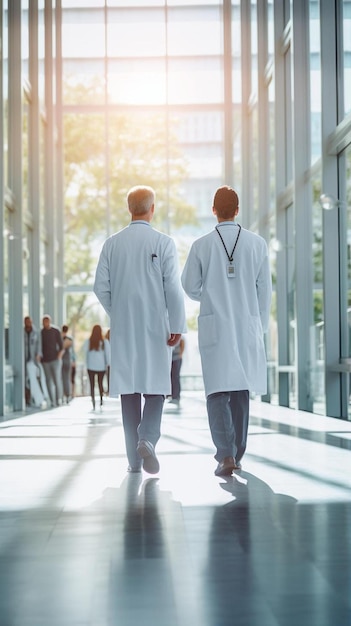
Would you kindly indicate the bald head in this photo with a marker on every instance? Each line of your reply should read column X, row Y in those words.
column 141, row 202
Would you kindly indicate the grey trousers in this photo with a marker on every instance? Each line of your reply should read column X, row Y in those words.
column 228, row 416
column 140, row 421
column 53, row 375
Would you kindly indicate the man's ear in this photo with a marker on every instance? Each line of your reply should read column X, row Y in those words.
column 214, row 211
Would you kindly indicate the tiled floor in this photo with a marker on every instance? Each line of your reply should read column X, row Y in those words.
column 85, row 544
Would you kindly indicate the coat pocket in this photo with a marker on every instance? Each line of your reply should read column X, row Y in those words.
column 207, row 330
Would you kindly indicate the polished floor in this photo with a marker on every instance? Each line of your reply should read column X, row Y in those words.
column 83, row 543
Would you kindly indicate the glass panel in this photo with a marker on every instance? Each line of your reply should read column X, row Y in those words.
column 136, row 34
column 84, row 82
column 317, row 339
column 25, row 40
column 287, row 11
column 199, row 81
column 6, row 241
column 141, row 146
column 270, row 30
column 41, row 51
column 42, row 177
column 254, row 47
column 156, row 3
column 4, row 43
column 143, row 81
column 200, row 136
column 237, row 151
column 73, row 4
column 315, row 82
column 291, row 304
column 26, row 275
column 289, row 120
column 135, row 3
column 9, row 380
column 194, row 32
column 236, row 56
column 195, row 2
column 254, row 165
column 137, row 81
column 271, row 139
column 347, row 208
column 347, row 55
column 271, row 339
column 25, row 155
column 79, row 30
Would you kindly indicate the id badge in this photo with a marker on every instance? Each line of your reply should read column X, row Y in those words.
column 230, row 271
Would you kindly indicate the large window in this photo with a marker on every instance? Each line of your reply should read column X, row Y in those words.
column 346, row 208
column 185, row 96
column 315, row 81
column 346, row 25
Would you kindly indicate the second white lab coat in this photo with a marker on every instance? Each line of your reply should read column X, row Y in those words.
column 234, row 312
column 138, row 283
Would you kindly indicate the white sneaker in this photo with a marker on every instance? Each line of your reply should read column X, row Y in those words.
column 146, row 451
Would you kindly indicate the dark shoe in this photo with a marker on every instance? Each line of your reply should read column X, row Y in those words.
column 146, row 451
column 226, row 467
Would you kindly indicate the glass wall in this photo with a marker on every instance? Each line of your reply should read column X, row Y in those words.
column 185, row 96
column 346, row 47
column 315, row 81
column 149, row 100
column 346, row 209
column 317, row 338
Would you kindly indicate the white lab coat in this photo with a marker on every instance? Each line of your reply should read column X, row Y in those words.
column 234, row 312
column 138, row 283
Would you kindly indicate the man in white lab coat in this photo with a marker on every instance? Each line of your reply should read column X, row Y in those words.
column 228, row 272
column 138, row 283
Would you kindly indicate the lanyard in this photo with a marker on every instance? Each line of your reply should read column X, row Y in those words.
column 230, row 257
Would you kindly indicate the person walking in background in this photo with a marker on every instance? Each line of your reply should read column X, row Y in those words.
column 66, row 363
column 177, row 359
column 137, row 282
column 52, row 352
column 35, row 387
column 97, row 359
column 228, row 272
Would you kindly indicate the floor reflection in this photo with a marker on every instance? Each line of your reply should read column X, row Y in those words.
column 82, row 543
column 141, row 584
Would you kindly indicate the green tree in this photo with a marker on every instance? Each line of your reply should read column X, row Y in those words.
column 103, row 158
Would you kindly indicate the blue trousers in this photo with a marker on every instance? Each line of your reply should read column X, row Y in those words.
column 228, row 416
column 140, row 422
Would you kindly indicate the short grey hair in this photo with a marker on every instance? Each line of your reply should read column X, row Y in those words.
column 140, row 199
